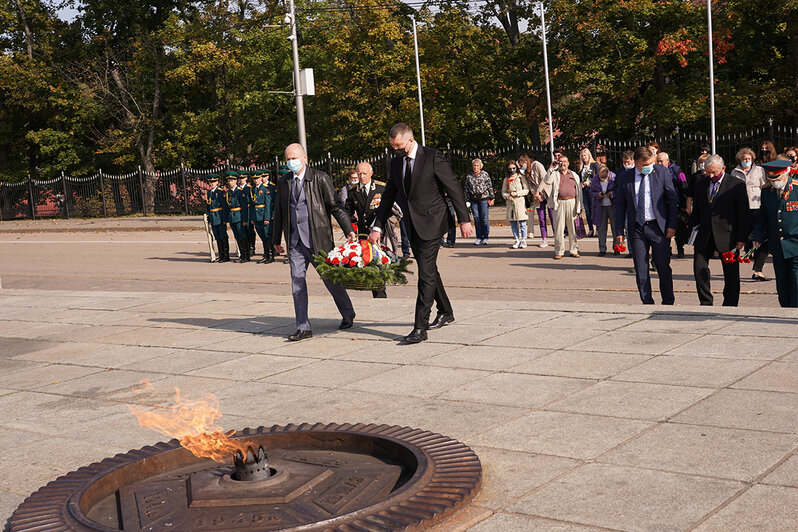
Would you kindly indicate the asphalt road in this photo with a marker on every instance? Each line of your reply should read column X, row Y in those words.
column 177, row 261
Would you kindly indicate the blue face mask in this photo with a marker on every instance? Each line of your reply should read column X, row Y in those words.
column 295, row 165
column 647, row 169
column 746, row 164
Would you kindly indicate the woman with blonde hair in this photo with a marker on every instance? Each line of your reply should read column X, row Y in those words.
column 514, row 189
column 588, row 169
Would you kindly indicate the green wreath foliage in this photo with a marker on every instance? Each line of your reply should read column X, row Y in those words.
column 371, row 277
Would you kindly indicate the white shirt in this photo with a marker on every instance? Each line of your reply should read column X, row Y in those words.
column 412, row 155
column 300, row 176
column 649, row 211
column 365, row 189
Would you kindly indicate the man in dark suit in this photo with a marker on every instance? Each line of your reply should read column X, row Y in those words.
column 362, row 201
column 721, row 217
column 305, row 200
column 419, row 181
column 646, row 200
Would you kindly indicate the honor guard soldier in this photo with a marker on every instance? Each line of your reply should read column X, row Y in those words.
column 260, row 214
column 777, row 223
column 243, row 186
column 217, row 219
column 235, row 216
column 245, row 178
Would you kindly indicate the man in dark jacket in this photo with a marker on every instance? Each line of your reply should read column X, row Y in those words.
column 304, row 203
column 420, row 179
column 722, row 221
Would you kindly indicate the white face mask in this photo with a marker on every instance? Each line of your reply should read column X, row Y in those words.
column 629, row 166
column 779, row 185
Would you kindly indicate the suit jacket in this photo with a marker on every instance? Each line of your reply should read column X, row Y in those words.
column 726, row 220
column 364, row 205
column 425, row 204
column 664, row 201
column 320, row 198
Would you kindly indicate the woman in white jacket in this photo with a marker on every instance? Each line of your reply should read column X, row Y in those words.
column 514, row 188
column 753, row 176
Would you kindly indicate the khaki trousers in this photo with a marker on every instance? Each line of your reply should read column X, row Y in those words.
column 564, row 217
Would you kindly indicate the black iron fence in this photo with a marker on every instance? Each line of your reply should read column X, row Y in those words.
column 181, row 191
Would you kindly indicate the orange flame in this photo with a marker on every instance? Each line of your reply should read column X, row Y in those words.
column 193, row 423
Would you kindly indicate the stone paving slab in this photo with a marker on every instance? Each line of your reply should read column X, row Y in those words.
column 585, row 416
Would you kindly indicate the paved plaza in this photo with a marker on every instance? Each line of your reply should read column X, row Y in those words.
column 587, row 410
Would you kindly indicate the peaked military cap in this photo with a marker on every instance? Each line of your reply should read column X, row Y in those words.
column 775, row 168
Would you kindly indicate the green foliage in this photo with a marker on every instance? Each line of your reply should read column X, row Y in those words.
column 158, row 82
column 371, row 277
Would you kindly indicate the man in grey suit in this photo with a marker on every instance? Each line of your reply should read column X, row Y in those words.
column 305, row 200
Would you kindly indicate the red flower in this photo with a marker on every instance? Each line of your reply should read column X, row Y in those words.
column 385, row 260
column 619, row 248
column 352, row 255
column 344, row 261
column 335, row 261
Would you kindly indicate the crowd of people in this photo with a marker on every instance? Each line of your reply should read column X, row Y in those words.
column 720, row 213
column 588, row 199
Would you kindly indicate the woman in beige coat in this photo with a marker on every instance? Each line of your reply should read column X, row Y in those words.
column 514, row 188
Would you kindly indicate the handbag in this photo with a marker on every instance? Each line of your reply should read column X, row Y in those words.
column 579, row 225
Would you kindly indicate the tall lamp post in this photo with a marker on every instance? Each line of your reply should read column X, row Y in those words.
column 290, row 18
column 711, row 78
column 418, row 82
column 548, row 87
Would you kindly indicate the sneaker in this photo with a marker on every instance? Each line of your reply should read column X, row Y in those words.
column 516, row 244
column 523, row 244
column 484, row 241
column 576, row 255
column 544, row 244
column 478, row 241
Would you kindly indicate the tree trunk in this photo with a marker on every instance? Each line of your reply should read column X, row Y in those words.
column 146, row 147
column 25, row 28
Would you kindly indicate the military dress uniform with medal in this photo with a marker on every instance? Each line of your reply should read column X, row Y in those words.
column 260, row 213
column 217, row 218
column 777, row 223
column 233, row 207
column 362, row 202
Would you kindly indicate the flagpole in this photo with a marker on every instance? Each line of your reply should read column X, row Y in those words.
column 418, row 81
column 711, row 78
column 548, row 88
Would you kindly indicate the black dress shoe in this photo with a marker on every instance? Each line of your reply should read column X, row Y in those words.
column 759, row 277
column 441, row 320
column 602, row 253
column 346, row 323
column 300, row 335
column 418, row 335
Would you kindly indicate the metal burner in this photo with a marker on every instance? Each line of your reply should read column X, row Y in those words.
column 253, row 466
column 317, row 477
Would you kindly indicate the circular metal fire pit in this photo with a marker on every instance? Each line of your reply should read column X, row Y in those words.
column 318, row 477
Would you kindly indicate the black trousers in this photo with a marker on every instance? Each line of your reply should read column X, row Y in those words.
column 786, row 280
column 731, row 277
column 641, row 239
column 430, row 286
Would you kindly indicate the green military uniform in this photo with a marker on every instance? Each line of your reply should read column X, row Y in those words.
column 777, row 223
column 235, row 215
column 260, row 214
column 216, row 217
column 247, row 225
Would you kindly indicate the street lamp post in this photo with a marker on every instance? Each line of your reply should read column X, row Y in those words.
column 548, row 87
column 298, row 96
column 418, row 82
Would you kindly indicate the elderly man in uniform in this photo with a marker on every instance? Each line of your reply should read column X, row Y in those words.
column 362, row 202
column 777, row 223
column 304, row 203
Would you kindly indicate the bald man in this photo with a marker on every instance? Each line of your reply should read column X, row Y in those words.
column 305, row 201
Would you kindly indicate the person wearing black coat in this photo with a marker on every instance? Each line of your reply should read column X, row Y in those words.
column 420, row 180
column 723, row 223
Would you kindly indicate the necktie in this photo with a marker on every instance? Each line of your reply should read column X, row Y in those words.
column 641, row 201
column 296, row 190
column 713, row 192
column 408, row 175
